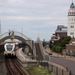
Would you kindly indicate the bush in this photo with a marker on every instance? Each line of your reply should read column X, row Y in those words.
column 57, row 49
column 53, row 48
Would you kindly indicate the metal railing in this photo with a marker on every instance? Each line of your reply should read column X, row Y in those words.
column 22, row 35
column 3, row 35
column 15, row 33
column 28, row 40
column 54, row 69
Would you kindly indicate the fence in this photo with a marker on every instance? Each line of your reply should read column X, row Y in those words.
column 54, row 69
column 49, row 66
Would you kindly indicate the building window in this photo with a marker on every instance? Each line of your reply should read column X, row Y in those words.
column 71, row 33
column 69, row 13
column 72, row 26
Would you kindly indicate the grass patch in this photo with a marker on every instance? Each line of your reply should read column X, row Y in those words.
column 36, row 70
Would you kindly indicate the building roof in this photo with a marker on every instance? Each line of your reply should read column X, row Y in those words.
column 54, row 37
column 72, row 5
column 71, row 11
column 61, row 29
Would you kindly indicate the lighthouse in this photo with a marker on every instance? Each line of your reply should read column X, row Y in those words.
column 71, row 21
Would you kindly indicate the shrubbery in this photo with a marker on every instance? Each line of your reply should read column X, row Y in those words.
column 60, row 44
column 57, row 48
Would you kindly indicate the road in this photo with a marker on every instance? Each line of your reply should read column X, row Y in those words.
column 64, row 62
column 70, row 64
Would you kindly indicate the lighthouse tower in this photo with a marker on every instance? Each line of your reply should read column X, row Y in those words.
column 71, row 21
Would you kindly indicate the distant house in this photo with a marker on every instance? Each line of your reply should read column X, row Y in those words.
column 60, row 32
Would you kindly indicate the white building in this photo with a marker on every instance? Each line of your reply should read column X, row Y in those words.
column 71, row 21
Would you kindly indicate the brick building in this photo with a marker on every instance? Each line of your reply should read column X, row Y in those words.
column 60, row 32
column 70, row 49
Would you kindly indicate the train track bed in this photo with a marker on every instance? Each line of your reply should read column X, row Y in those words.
column 13, row 68
column 1, row 64
column 1, row 68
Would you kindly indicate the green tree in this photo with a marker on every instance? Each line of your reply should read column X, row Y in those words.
column 57, row 49
column 60, row 44
column 65, row 41
column 45, row 43
column 50, row 44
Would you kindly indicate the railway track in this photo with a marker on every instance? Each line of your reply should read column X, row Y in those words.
column 13, row 68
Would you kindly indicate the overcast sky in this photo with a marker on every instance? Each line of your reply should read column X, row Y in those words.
column 34, row 17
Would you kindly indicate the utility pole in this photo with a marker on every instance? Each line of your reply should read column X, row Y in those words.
column 0, row 28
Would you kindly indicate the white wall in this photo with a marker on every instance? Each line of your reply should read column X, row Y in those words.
column 71, row 22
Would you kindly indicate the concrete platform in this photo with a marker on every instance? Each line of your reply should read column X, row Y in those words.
column 21, row 56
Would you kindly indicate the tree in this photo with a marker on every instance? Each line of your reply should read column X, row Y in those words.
column 50, row 44
column 59, row 44
column 57, row 49
column 45, row 43
column 65, row 41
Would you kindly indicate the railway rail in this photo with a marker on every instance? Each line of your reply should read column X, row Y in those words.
column 13, row 68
